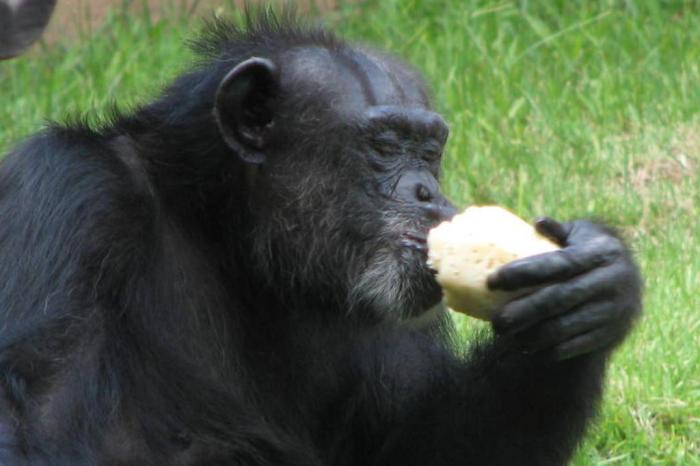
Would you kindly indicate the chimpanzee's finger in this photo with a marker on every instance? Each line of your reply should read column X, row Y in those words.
column 580, row 320
column 583, row 231
column 553, row 230
column 594, row 340
column 558, row 299
column 555, row 266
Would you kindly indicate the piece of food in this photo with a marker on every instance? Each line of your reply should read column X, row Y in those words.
column 474, row 244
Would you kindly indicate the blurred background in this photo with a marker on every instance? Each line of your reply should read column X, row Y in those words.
column 579, row 108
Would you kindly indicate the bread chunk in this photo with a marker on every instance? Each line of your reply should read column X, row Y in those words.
column 473, row 245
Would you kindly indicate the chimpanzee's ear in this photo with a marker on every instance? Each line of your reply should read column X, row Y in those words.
column 243, row 107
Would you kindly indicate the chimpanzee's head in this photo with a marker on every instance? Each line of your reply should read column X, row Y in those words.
column 343, row 152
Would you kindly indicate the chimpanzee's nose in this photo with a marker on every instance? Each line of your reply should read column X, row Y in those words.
column 421, row 187
column 440, row 210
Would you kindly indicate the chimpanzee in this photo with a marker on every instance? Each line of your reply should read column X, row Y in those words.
column 21, row 24
column 235, row 274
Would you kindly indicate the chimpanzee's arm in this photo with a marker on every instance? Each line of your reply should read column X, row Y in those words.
column 500, row 408
column 526, row 396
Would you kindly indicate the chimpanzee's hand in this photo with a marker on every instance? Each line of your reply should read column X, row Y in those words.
column 588, row 293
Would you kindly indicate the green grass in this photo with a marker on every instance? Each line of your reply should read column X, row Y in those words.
column 566, row 108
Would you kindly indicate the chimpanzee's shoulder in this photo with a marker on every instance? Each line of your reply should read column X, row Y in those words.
column 72, row 183
column 73, row 165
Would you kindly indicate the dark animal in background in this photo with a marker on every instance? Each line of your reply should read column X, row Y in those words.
column 21, row 24
column 235, row 274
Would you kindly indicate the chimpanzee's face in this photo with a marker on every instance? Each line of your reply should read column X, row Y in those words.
column 346, row 187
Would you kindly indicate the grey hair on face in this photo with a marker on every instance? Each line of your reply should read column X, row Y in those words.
column 379, row 286
column 386, row 284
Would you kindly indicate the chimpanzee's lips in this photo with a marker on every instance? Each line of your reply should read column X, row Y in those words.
column 416, row 241
column 425, row 289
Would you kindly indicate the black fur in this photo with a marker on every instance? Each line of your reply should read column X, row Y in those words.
column 163, row 301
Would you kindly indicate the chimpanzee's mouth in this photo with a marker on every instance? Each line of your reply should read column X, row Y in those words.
column 415, row 241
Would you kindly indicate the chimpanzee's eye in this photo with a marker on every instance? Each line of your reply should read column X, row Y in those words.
column 386, row 143
column 431, row 151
